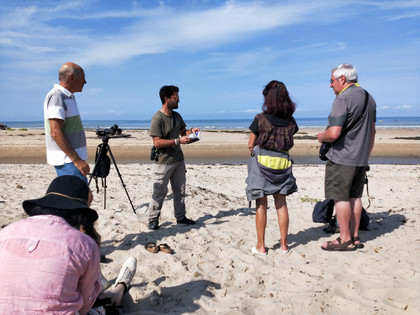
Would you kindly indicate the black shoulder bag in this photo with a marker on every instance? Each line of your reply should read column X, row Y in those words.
column 325, row 146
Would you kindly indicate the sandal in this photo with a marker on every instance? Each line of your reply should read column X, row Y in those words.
column 341, row 246
column 151, row 247
column 166, row 249
column 358, row 245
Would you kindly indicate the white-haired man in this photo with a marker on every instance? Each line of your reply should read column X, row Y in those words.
column 65, row 135
column 348, row 156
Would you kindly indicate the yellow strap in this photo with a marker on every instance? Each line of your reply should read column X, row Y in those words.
column 356, row 84
column 276, row 163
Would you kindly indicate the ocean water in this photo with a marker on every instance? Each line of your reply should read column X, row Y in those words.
column 240, row 124
column 382, row 122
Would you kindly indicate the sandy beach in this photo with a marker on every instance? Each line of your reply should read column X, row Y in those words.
column 213, row 270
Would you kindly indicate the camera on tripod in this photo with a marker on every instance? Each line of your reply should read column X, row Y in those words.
column 103, row 132
column 103, row 162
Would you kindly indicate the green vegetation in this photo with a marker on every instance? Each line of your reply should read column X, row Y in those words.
column 20, row 129
column 308, row 199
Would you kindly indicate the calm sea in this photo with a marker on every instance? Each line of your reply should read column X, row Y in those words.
column 382, row 122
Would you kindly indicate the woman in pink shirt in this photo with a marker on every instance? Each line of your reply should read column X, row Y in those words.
column 49, row 262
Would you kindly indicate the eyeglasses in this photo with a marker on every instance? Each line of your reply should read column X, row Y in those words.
column 335, row 79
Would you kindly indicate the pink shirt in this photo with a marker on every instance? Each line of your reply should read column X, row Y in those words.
column 47, row 266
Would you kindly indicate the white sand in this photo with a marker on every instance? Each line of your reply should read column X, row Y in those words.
column 213, row 271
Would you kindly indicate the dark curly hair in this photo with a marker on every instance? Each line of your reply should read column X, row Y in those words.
column 167, row 91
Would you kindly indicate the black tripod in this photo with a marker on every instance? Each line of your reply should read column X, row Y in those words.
column 104, row 148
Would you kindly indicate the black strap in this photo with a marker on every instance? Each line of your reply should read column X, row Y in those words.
column 349, row 127
column 367, row 189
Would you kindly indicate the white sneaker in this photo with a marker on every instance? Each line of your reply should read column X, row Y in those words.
column 127, row 272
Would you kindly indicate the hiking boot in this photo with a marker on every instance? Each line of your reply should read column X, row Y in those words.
column 186, row 221
column 127, row 272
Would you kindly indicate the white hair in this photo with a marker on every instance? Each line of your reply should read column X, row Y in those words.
column 346, row 70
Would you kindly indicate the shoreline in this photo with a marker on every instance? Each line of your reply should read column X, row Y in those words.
column 216, row 146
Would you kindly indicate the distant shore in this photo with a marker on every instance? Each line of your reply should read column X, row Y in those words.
column 215, row 146
column 219, row 123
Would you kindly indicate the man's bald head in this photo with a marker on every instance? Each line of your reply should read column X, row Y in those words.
column 72, row 77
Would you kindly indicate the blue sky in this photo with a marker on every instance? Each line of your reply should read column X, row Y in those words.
column 220, row 54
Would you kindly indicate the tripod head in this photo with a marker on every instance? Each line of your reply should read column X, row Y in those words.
column 105, row 132
column 105, row 139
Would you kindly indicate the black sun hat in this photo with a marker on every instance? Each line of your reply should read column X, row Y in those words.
column 65, row 193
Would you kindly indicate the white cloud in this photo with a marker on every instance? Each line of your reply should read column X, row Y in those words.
column 226, row 49
column 21, row 17
column 37, row 30
column 408, row 5
column 387, row 107
column 169, row 29
column 405, row 16
column 115, row 112
column 404, row 107
column 389, row 5
column 93, row 91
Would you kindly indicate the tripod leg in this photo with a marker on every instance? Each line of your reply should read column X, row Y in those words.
column 104, row 185
column 119, row 175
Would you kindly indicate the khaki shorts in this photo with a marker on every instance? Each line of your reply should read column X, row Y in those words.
column 344, row 182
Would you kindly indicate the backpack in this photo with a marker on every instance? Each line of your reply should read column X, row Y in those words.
column 102, row 162
column 364, row 220
column 323, row 211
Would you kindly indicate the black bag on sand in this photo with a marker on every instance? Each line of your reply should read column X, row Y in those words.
column 323, row 211
column 334, row 228
column 364, row 220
